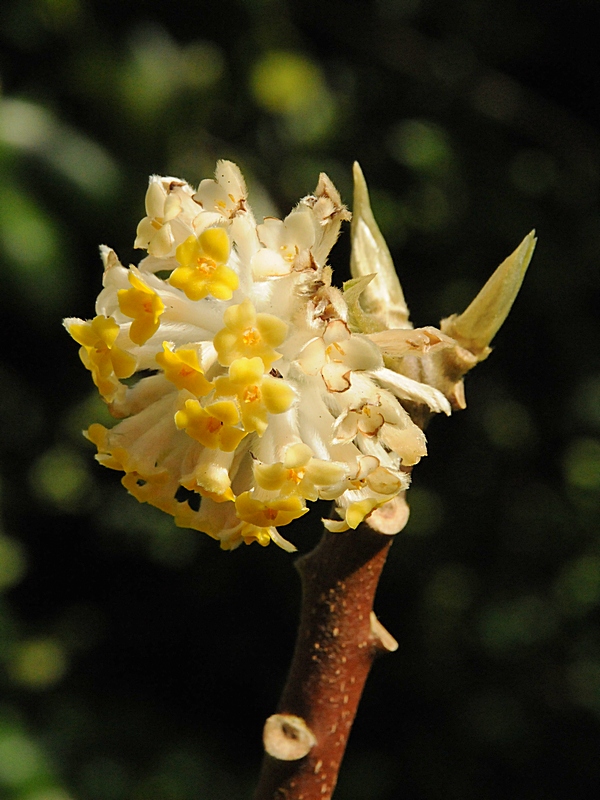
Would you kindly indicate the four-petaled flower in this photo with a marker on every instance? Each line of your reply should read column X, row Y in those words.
column 258, row 394
column 287, row 244
column 142, row 304
column 248, row 334
column 279, row 511
column 182, row 368
column 300, row 473
column 106, row 361
column 336, row 353
column 166, row 199
column 203, row 266
column 213, row 426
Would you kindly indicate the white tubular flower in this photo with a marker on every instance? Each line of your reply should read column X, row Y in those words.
column 170, row 211
column 287, row 244
column 244, row 382
column 336, row 353
column 226, row 195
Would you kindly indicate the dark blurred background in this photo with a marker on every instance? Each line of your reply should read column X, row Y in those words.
column 137, row 661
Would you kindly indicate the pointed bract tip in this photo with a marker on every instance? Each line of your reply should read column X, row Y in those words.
column 359, row 178
column 475, row 328
column 383, row 298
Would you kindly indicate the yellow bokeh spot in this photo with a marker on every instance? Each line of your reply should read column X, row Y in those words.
column 144, row 306
column 422, row 146
column 183, row 369
column 582, row 464
column 60, row 478
column 12, row 562
column 286, row 83
column 203, row 269
column 21, row 761
column 37, row 663
column 293, row 86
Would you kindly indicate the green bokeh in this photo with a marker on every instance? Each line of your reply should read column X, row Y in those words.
column 137, row 661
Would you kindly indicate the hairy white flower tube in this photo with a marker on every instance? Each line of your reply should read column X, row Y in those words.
column 244, row 382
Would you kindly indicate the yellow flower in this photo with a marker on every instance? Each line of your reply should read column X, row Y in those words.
column 252, row 533
column 249, row 533
column 248, row 334
column 213, row 426
column 183, row 369
column 210, row 475
column 149, row 487
column 258, row 395
column 111, row 457
column 203, row 269
column 353, row 515
column 144, row 306
column 219, row 497
column 99, row 353
column 270, row 513
column 299, row 473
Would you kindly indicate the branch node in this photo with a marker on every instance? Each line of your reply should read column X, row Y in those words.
column 391, row 517
column 287, row 737
column 384, row 639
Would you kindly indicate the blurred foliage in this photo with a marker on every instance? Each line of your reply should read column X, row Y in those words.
column 137, row 661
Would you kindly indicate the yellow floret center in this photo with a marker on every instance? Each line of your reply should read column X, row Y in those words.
column 288, row 252
column 213, row 424
column 295, row 476
column 250, row 337
column 251, row 394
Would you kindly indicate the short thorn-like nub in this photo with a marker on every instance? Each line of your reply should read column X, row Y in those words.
column 391, row 517
column 383, row 636
column 287, row 737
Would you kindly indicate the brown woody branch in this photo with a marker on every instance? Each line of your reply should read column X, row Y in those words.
column 338, row 640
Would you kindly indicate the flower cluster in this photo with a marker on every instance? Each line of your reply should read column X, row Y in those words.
column 244, row 382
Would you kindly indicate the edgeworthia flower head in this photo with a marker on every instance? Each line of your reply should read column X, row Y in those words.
column 246, row 384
